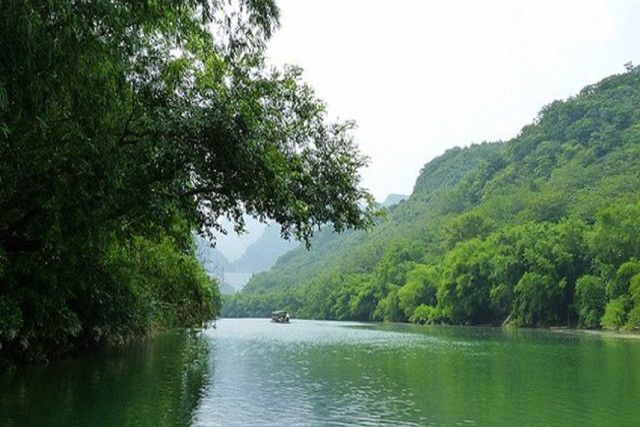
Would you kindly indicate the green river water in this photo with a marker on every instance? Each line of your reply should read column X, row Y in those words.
column 250, row 372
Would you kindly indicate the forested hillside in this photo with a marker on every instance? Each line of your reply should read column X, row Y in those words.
column 539, row 230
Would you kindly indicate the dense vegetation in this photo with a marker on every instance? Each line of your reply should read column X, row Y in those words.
column 540, row 230
column 125, row 125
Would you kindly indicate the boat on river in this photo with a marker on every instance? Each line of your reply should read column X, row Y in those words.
column 280, row 316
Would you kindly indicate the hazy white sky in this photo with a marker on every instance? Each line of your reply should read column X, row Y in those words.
column 423, row 76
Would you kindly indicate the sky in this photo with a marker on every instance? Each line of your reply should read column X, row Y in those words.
column 420, row 77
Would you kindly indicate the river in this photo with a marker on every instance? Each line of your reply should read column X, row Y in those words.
column 250, row 372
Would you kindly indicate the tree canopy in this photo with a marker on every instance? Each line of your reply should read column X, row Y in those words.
column 125, row 125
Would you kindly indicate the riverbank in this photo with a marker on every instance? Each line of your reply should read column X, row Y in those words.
column 598, row 332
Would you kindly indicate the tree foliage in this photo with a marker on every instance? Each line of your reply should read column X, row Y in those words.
column 590, row 300
column 124, row 126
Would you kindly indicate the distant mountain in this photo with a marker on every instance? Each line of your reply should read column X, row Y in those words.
column 258, row 256
column 263, row 253
column 213, row 260
column 217, row 265
column 237, row 280
column 393, row 199
column 227, row 289
column 232, row 244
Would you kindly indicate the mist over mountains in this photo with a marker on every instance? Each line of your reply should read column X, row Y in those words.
column 236, row 257
column 393, row 199
column 263, row 253
column 252, row 252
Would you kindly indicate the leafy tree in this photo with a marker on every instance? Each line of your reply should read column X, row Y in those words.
column 633, row 320
column 124, row 126
column 620, row 284
column 388, row 308
column 363, row 304
column 465, row 227
column 615, row 313
column 538, row 300
column 591, row 298
column 464, row 293
column 615, row 240
column 420, row 289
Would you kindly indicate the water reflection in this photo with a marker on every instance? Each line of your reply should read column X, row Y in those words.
column 151, row 383
column 305, row 373
column 325, row 373
column 251, row 372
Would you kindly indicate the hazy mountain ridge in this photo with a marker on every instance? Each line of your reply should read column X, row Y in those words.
column 393, row 199
column 258, row 256
column 214, row 261
column 263, row 253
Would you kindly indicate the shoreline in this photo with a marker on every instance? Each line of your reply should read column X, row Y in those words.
column 553, row 329
column 597, row 332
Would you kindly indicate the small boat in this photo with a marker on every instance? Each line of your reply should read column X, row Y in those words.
column 280, row 316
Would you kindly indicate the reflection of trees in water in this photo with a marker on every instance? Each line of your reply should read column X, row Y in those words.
column 154, row 382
